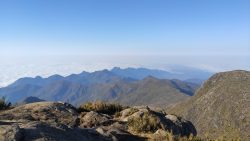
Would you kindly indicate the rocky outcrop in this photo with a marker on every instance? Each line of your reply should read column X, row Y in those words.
column 40, row 131
column 117, row 134
column 94, row 119
column 51, row 121
column 170, row 123
column 49, row 112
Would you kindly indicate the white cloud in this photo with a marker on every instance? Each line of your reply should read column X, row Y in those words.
column 13, row 68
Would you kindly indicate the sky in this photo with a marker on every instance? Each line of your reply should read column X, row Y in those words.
column 95, row 34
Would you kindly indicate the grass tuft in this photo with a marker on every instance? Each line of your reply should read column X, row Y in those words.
column 146, row 123
column 101, row 107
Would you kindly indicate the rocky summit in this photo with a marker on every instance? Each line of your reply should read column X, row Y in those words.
column 53, row 121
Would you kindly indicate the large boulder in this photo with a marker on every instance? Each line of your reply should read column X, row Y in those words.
column 179, row 126
column 127, row 112
column 117, row 134
column 40, row 131
column 93, row 119
column 49, row 112
column 46, row 132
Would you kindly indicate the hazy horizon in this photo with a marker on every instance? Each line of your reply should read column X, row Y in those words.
column 49, row 65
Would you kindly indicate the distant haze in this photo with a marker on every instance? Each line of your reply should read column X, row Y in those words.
column 13, row 68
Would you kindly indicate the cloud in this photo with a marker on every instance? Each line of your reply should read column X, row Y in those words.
column 12, row 68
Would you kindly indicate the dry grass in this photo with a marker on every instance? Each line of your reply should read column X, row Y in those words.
column 147, row 123
column 101, row 107
column 132, row 111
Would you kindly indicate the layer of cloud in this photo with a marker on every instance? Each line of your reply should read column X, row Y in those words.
column 13, row 68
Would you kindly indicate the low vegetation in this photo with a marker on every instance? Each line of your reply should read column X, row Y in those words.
column 168, row 136
column 132, row 111
column 101, row 107
column 4, row 104
column 145, row 123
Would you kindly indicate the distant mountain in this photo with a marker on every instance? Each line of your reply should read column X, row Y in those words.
column 100, row 85
column 37, row 81
column 18, row 92
column 144, row 92
column 141, row 73
column 221, row 107
column 181, row 73
column 85, row 78
column 157, row 92
column 31, row 99
column 131, row 74
column 195, row 81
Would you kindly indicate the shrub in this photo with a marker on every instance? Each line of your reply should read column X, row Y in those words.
column 101, row 107
column 4, row 104
column 145, row 123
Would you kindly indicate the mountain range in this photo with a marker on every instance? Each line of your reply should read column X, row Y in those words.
column 218, row 110
column 177, row 72
column 127, row 86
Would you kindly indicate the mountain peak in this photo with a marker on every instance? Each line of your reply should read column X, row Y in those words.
column 55, row 76
column 31, row 99
column 150, row 78
column 115, row 68
column 84, row 73
column 38, row 77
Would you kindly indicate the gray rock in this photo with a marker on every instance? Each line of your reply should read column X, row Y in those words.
column 117, row 134
column 93, row 119
column 51, row 121
column 170, row 123
column 49, row 112
column 10, row 132
column 38, row 131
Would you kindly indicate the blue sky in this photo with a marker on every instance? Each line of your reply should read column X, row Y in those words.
column 128, row 26
column 217, row 32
